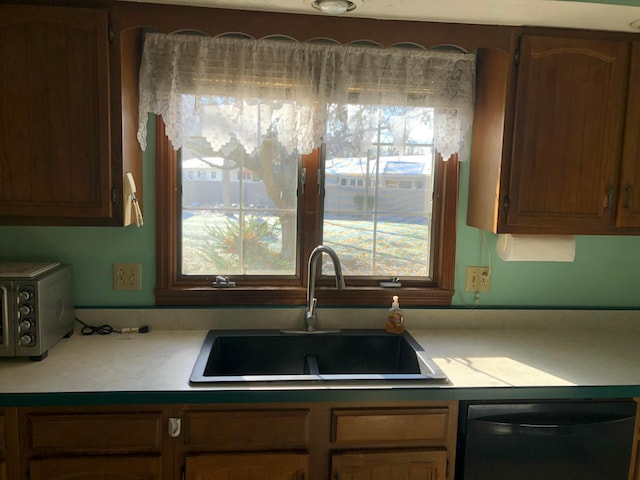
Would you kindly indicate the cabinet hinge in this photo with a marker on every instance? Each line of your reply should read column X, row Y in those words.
column 114, row 195
column 516, row 57
column 110, row 33
column 505, row 205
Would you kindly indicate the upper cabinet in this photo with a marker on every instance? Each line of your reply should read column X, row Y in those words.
column 62, row 152
column 549, row 138
column 629, row 198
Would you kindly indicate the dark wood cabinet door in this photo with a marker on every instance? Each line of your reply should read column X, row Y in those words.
column 569, row 117
column 418, row 465
column 128, row 467
column 8, row 444
column 629, row 200
column 54, row 115
column 250, row 466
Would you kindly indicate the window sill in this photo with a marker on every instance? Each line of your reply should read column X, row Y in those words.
column 280, row 296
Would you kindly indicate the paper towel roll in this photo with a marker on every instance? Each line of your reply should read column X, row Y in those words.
column 536, row 248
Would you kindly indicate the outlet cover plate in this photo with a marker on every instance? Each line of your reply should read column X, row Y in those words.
column 127, row 276
column 478, row 279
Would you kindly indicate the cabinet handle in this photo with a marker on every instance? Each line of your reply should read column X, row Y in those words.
column 609, row 199
column 175, row 427
column 628, row 197
column 505, row 205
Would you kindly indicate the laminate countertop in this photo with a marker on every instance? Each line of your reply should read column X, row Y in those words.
column 479, row 363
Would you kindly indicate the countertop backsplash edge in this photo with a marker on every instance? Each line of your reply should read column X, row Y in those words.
column 347, row 318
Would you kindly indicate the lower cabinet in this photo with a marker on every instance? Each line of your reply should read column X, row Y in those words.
column 123, row 467
column 319, row 441
column 301, row 441
column 298, row 441
column 634, row 473
column 3, row 443
column 8, row 443
column 416, row 465
column 276, row 466
column 255, row 443
column 89, row 443
column 421, row 438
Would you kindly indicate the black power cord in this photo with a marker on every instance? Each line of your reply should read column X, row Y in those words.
column 107, row 329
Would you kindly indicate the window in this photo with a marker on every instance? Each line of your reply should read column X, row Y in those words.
column 358, row 172
column 245, row 224
column 380, row 232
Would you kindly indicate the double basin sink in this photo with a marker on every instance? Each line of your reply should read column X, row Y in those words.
column 232, row 356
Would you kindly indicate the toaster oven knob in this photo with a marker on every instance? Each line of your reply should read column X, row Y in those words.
column 25, row 325
column 24, row 310
column 24, row 295
column 27, row 339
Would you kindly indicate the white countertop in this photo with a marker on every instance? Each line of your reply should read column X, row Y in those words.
column 161, row 361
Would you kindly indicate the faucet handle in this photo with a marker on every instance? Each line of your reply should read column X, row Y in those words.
column 310, row 316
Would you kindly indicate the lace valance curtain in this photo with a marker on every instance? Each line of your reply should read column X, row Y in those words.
column 235, row 87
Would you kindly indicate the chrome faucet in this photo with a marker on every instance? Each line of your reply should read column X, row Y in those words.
column 310, row 316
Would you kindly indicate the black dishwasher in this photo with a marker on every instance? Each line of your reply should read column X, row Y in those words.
column 550, row 440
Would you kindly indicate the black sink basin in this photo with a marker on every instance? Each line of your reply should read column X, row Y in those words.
column 348, row 355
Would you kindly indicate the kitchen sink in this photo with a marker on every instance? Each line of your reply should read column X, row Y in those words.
column 346, row 355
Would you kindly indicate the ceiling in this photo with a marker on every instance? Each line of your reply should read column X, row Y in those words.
column 614, row 15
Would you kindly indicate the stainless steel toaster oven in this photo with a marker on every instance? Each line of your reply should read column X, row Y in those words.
column 36, row 307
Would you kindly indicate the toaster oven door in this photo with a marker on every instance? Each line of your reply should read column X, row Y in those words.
column 7, row 321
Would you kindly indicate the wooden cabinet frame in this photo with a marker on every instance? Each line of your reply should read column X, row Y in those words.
column 71, row 116
column 168, row 441
column 501, row 128
column 9, row 443
column 406, row 431
column 85, row 440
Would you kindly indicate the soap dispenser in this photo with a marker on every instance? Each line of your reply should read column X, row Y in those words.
column 395, row 317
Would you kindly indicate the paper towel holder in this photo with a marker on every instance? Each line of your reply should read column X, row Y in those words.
column 536, row 248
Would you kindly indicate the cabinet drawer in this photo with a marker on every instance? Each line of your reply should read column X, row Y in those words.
column 94, row 467
column 100, row 432
column 405, row 425
column 411, row 464
column 247, row 466
column 246, row 430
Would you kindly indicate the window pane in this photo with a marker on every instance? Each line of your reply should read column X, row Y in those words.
column 377, row 204
column 239, row 210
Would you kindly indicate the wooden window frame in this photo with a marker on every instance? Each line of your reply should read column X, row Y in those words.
column 173, row 288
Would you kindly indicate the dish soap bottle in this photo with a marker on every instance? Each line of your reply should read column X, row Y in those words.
column 395, row 317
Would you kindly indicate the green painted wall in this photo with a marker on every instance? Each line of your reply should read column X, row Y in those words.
column 606, row 272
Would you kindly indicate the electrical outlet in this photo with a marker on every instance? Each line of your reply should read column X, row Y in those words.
column 478, row 279
column 127, row 276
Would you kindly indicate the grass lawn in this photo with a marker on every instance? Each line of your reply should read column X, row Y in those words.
column 401, row 248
